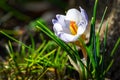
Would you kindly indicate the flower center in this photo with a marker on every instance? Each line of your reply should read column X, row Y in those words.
column 73, row 27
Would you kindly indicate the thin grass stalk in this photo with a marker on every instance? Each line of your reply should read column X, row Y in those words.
column 15, row 40
column 117, row 44
column 14, row 60
column 103, row 16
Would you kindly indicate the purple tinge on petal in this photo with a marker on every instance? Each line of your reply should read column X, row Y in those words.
column 67, row 37
column 54, row 21
column 58, row 16
column 84, row 14
column 61, row 19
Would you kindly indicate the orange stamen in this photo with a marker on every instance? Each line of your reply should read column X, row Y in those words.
column 73, row 27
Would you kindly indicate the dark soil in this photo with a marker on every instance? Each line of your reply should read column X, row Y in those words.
column 114, row 34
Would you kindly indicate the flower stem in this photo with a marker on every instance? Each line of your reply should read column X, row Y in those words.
column 79, row 43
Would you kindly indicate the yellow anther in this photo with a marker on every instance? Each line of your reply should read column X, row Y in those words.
column 73, row 27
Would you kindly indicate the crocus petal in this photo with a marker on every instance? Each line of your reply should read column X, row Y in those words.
column 57, row 28
column 54, row 21
column 67, row 37
column 73, row 15
column 84, row 14
column 81, row 29
column 61, row 19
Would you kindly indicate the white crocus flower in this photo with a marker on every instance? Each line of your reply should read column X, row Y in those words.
column 71, row 26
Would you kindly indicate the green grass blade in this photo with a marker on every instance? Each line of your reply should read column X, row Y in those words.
column 105, row 38
column 40, row 47
column 95, row 9
column 91, row 32
column 102, row 20
column 115, row 47
column 92, row 44
column 98, row 45
column 64, row 59
column 23, row 51
column 11, row 50
column 44, row 48
column 48, row 54
column 97, row 36
column 32, row 42
column 57, row 55
column 109, row 66
column 15, row 40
